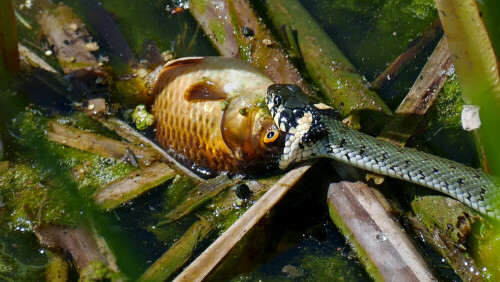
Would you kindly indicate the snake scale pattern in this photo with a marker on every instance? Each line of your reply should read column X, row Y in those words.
column 313, row 131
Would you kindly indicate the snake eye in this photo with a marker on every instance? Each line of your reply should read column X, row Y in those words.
column 277, row 100
column 271, row 136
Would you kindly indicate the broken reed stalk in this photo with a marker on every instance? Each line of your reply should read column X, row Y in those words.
column 446, row 225
column 66, row 32
column 202, row 266
column 381, row 244
column 97, row 144
column 418, row 100
column 130, row 134
column 203, row 193
column 73, row 48
column 82, row 242
column 9, row 54
column 290, row 11
column 132, row 185
column 106, row 31
column 478, row 70
column 178, row 253
column 327, row 66
column 405, row 58
column 215, row 253
column 131, row 85
column 407, row 117
column 421, row 96
column 34, row 60
column 236, row 31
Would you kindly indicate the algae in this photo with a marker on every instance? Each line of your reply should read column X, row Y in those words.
column 97, row 271
column 141, row 29
column 406, row 18
column 344, row 89
column 131, row 92
column 33, row 200
column 142, row 118
column 310, row 260
column 448, row 106
column 177, row 191
column 484, row 244
column 132, row 185
column 82, row 121
column 222, row 214
column 217, row 26
column 372, row 33
column 178, row 253
column 448, row 232
column 449, row 218
column 203, row 193
column 443, row 127
column 326, row 266
column 359, row 6
column 57, row 269
column 199, row 5
column 141, row 22
column 91, row 171
column 21, row 257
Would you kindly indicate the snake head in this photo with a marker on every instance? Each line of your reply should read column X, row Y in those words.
column 301, row 120
column 286, row 103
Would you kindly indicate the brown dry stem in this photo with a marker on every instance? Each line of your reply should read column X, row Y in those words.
column 97, row 144
column 213, row 255
column 132, row 185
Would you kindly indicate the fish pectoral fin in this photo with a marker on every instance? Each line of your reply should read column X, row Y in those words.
column 205, row 90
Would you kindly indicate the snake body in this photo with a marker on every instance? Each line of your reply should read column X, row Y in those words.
column 313, row 131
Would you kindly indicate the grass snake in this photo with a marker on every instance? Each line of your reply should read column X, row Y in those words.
column 314, row 131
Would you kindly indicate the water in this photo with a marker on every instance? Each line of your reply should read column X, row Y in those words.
column 300, row 229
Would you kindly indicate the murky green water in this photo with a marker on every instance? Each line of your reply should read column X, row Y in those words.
column 300, row 240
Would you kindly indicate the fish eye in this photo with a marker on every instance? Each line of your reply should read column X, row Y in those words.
column 271, row 136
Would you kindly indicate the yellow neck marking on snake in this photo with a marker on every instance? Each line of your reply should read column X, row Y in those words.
column 322, row 106
column 291, row 152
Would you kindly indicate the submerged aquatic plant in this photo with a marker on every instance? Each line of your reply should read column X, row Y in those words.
column 124, row 218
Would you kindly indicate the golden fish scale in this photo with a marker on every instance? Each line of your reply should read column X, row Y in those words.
column 191, row 129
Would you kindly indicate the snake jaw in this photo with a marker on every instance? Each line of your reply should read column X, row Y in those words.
column 300, row 119
column 296, row 149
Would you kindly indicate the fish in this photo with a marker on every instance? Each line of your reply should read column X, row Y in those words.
column 211, row 116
